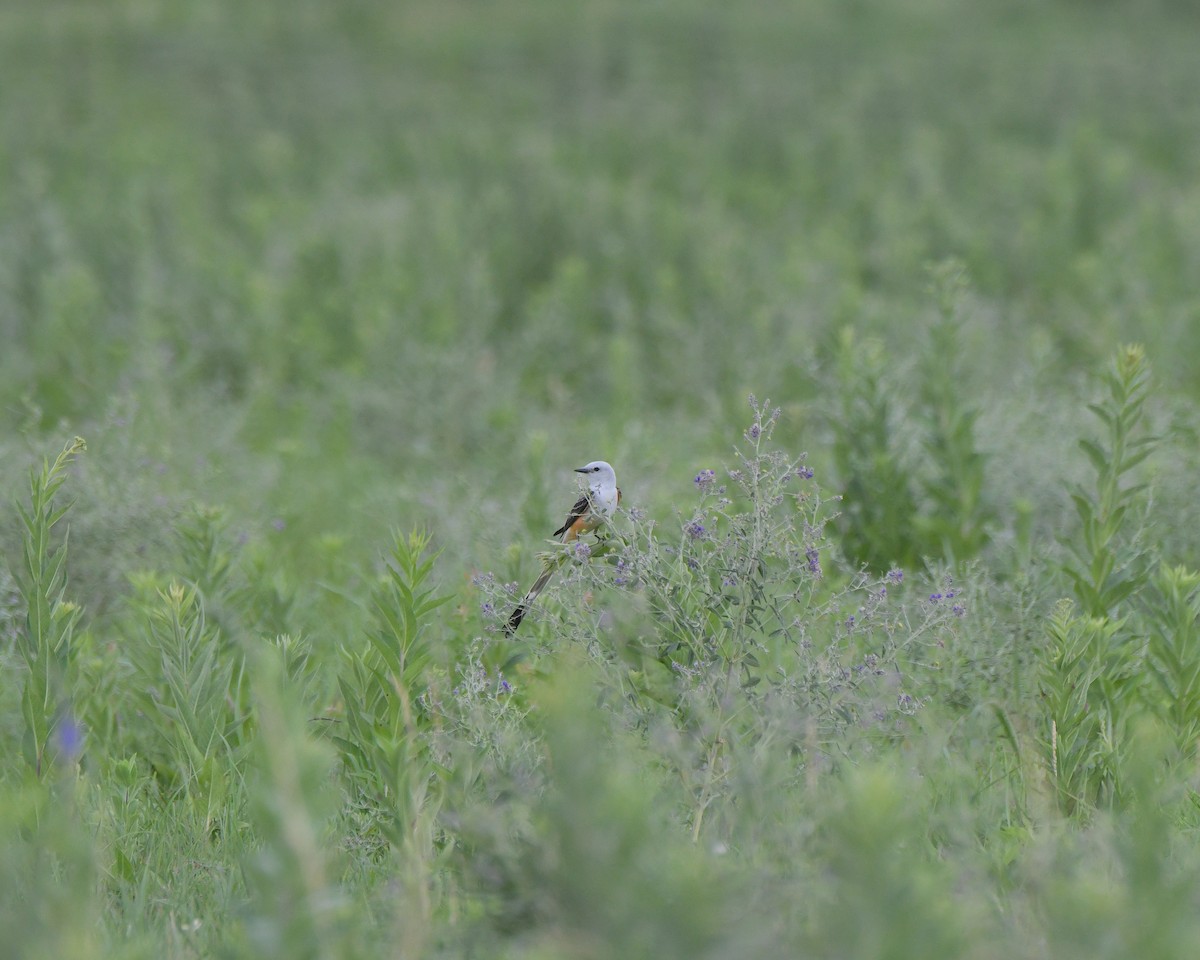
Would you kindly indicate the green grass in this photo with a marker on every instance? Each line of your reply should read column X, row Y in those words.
column 338, row 294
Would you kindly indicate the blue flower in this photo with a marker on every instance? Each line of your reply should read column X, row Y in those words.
column 695, row 530
column 895, row 575
column 69, row 737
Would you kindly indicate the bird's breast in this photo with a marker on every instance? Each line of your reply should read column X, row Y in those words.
column 605, row 501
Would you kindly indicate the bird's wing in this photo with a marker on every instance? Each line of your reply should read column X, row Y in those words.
column 582, row 506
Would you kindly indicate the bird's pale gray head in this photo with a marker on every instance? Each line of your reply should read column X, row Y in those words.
column 598, row 472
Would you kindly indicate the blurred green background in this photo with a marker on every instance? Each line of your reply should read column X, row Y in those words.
column 336, row 268
column 347, row 265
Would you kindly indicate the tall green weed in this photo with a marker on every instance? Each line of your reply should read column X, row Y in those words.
column 382, row 683
column 1092, row 665
column 1107, row 563
column 296, row 906
column 50, row 621
column 187, row 689
column 956, row 522
column 910, row 467
column 1131, row 650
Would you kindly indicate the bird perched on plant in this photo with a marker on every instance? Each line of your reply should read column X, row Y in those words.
column 595, row 506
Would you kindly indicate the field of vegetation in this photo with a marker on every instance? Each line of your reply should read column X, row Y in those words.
column 886, row 314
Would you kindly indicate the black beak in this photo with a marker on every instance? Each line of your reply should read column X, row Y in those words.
column 581, row 469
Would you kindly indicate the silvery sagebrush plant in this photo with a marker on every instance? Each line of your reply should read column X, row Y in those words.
column 478, row 736
column 489, row 756
column 740, row 621
column 752, row 589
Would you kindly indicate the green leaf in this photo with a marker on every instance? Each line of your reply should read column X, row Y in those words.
column 1100, row 460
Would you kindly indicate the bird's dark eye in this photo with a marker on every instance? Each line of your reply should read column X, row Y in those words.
column 595, row 469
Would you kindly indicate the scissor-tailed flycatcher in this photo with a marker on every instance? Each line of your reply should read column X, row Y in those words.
column 594, row 507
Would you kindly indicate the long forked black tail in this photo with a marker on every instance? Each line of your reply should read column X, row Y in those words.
column 518, row 614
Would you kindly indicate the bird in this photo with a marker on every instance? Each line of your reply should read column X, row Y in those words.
column 595, row 506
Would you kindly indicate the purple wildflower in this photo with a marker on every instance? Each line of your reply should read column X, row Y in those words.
column 695, row 530
column 935, row 597
column 620, row 579
column 804, row 473
column 814, row 561
column 959, row 610
column 895, row 575
column 704, row 478
column 581, row 550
